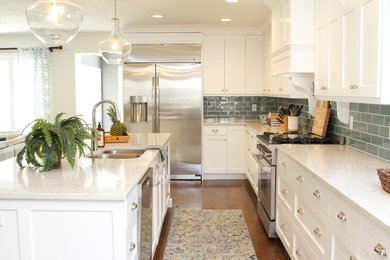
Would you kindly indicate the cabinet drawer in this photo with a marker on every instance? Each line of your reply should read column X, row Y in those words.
column 283, row 227
column 313, row 225
column 343, row 246
column 345, row 217
column 374, row 240
column 316, row 193
column 301, row 249
column 285, row 194
column 288, row 169
column 215, row 130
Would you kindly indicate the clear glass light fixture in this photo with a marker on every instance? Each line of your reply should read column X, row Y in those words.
column 115, row 49
column 54, row 21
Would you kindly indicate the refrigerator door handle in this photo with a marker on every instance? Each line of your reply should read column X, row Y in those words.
column 157, row 105
column 154, row 98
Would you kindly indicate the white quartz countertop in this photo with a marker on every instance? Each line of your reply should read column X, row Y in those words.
column 258, row 126
column 350, row 173
column 105, row 179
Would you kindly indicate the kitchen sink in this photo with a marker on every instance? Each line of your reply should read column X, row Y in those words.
column 119, row 154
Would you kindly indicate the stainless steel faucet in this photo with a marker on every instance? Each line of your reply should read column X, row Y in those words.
column 93, row 144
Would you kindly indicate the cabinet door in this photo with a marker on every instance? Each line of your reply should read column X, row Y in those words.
column 369, row 50
column 213, row 64
column 335, row 57
column 9, row 232
column 351, row 47
column 254, row 64
column 321, row 61
column 236, row 149
column 234, row 64
column 215, row 154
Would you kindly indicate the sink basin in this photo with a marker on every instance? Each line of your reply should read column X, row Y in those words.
column 119, row 154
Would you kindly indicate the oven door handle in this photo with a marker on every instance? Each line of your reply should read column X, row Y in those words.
column 267, row 169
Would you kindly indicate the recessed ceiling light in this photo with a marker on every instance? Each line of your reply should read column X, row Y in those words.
column 231, row 1
column 226, row 20
column 157, row 16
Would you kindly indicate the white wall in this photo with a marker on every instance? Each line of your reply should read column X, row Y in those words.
column 88, row 79
column 110, row 90
column 62, row 65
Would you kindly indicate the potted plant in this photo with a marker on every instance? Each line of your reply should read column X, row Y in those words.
column 48, row 143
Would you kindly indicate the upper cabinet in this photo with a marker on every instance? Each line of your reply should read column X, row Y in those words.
column 232, row 64
column 292, row 37
column 353, row 50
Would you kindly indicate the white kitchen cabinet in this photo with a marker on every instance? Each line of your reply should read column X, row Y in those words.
column 214, row 64
column 252, row 168
column 254, row 77
column 232, row 64
column 314, row 222
column 9, row 232
column 351, row 40
column 292, row 37
column 223, row 149
column 236, row 148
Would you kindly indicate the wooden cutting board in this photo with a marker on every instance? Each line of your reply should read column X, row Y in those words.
column 321, row 119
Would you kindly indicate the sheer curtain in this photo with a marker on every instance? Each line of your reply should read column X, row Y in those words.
column 25, row 82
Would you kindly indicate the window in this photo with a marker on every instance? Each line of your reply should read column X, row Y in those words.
column 24, row 87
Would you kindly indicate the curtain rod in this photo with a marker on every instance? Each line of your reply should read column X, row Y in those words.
column 50, row 48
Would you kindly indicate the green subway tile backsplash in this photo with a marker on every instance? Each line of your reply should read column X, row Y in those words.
column 370, row 132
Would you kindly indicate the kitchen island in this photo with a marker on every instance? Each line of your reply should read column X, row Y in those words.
column 88, row 212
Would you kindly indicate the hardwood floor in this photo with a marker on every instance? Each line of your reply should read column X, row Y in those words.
column 222, row 194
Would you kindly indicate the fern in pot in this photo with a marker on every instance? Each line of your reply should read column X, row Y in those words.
column 48, row 143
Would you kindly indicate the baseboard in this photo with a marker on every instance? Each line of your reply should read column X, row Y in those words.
column 224, row 176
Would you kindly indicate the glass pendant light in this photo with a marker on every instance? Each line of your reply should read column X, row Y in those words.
column 54, row 21
column 115, row 49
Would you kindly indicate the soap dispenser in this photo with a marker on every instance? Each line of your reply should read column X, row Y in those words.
column 100, row 136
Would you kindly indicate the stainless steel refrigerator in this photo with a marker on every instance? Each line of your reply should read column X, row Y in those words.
column 168, row 77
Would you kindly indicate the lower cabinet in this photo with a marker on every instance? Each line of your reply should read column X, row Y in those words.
column 223, row 149
column 314, row 222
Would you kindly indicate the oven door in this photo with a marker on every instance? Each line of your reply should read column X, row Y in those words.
column 267, row 186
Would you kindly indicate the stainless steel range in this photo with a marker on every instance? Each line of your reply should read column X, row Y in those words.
column 266, row 159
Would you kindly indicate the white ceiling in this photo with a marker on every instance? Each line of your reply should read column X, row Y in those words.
column 133, row 13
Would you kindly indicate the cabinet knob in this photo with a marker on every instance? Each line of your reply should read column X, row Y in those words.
column 131, row 246
column 157, row 166
column 284, row 164
column 226, row 90
column 299, row 178
column 283, row 226
column 380, row 250
column 157, row 183
column 298, row 252
column 317, row 231
column 342, row 216
column 284, row 192
column 300, row 211
column 268, row 90
column 317, row 193
column 280, row 89
column 134, row 206
column 352, row 257
column 164, row 165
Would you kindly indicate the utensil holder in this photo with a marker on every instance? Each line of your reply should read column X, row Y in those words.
column 293, row 123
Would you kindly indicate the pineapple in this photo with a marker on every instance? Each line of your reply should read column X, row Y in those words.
column 116, row 127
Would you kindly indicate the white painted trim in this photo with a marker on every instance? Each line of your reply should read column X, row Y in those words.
column 224, row 176
column 163, row 38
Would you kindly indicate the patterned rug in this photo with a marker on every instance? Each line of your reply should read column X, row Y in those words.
column 209, row 234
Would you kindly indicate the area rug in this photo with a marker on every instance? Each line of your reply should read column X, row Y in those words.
column 209, row 234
